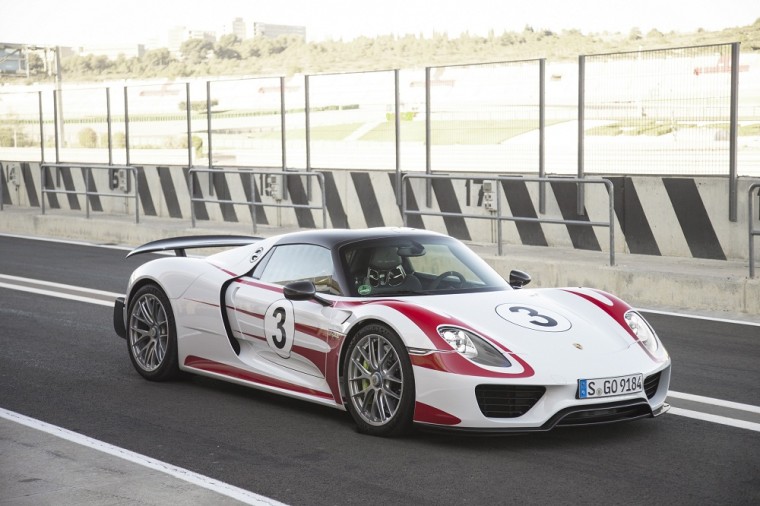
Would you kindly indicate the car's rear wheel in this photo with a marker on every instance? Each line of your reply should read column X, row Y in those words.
column 152, row 334
column 378, row 381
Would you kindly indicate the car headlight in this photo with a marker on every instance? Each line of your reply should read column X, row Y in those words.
column 473, row 347
column 641, row 329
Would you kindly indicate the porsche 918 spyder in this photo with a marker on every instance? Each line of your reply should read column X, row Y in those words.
column 396, row 326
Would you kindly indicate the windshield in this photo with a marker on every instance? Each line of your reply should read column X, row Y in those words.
column 416, row 265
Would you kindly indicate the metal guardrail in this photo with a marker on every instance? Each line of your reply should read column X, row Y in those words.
column 253, row 204
column 752, row 230
column 88, row 176
column 499, row 218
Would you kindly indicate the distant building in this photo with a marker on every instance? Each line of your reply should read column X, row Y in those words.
column 274, row 31
column 112, row 52
column 238, row 28
column 12, row 59
column 202, row 35
column 177, row 35
column 180, row 34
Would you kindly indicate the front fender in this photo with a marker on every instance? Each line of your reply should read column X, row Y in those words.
column 415, row 324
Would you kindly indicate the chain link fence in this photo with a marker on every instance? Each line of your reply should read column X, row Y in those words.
column 658, row 112
column 670, row 111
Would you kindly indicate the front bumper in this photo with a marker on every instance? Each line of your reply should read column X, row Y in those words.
column 119, row 318
column 455, row 396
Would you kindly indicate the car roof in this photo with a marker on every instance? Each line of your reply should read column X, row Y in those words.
column 331, row 238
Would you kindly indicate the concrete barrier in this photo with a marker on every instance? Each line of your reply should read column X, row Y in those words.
column 656, row 216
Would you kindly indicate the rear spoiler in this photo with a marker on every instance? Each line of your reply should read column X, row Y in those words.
column 180, row 244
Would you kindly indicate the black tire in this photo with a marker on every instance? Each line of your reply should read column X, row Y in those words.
column 152, row 334
column 378, row 382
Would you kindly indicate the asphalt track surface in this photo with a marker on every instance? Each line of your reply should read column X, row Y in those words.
column 62, row 363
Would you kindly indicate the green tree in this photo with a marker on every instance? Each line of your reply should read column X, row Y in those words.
column 88, row 138
column 157, row 58
column 119, row 140
column 100, row 63
column 195, row 50
column 35, row 63
column 227, row 47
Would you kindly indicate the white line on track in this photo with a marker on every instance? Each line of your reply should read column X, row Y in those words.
column 59, row 290
column 67, row 241
column 723, row 420
column 715, row 402
column 219, row 487
column 699, row 317
column 57, row 285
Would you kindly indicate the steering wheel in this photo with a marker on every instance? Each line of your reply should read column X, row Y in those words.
column 448, row 274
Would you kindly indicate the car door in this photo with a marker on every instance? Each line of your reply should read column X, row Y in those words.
column 280, row 338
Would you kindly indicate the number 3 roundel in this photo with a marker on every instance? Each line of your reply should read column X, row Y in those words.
column 533, row 317
column 279, row 327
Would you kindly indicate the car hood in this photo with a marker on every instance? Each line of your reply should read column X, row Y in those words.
column 549, row 328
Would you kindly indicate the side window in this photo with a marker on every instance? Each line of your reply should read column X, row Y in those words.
column 298, row 262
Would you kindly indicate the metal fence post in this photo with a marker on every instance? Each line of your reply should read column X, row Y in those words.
column 188, row 114
column 252, row 186
column 55, row 126
column 108, row 124
column 403, row 199
column 611, row 193
column 397, row 127
column 42, row 129
column 88, row 171
column 208, row 127
column 733, row 203
column 321, row 181
column 307, row 119
column 428, row 161
column 581, row 130
column 541, row 134
column 750, row 226
column 43, row 183
column 126, row 125
column 283, row 136
column 191, row 183
column 137, row 195
column 498, row 216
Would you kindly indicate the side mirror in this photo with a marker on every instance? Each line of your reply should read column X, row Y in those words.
column 299, row 290
column 518, row 279
column 303, row 290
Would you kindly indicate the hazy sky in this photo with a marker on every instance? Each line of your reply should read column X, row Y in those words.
column 99, row 22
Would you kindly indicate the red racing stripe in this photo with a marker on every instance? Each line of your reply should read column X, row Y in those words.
column 428, row 321
column 616, row 311
column 237, row 373
column 425, row 413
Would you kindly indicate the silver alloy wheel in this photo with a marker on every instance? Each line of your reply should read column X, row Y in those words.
column 148, row 332
column 375, row 379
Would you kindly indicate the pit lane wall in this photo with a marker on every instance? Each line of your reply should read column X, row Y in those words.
column 659, row 216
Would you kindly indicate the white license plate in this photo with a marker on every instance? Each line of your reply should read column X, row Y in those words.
column 609, row 387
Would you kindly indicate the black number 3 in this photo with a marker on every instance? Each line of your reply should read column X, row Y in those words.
column 280, row 313
column 548, row 321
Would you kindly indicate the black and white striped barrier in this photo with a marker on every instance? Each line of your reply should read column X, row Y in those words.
column 662, row 216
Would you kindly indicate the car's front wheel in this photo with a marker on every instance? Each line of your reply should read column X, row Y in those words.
column 378, row 381
column 152, row 334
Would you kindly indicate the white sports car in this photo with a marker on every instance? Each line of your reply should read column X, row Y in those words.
column 397, row 326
